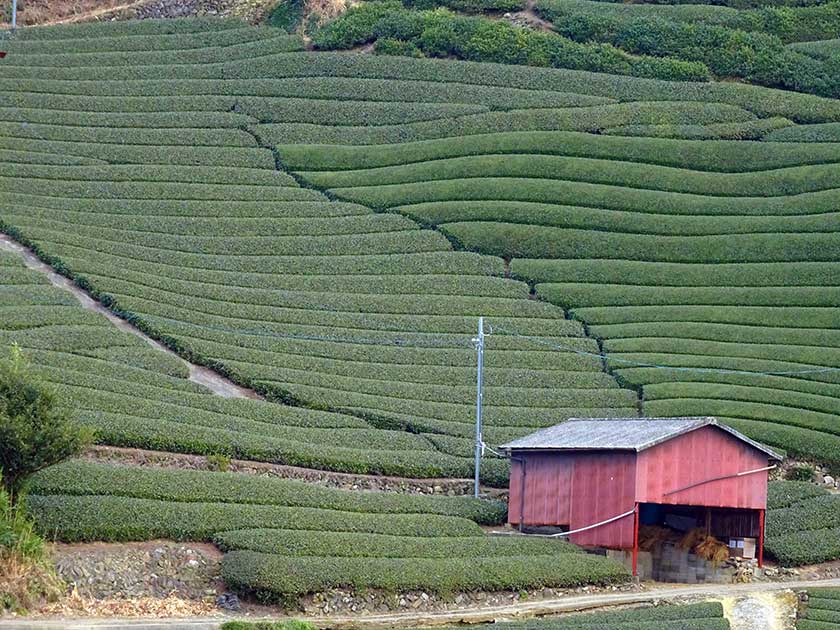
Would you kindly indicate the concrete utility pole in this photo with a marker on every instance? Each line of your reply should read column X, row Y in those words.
column 14, row 15
column 479, row 441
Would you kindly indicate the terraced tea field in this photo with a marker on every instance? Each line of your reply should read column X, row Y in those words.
column 155, row 193
column 264, row 211
column 132, row 393
column 709, row 268
column 822, row 610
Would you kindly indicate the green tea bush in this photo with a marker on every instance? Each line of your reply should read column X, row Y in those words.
column 764, row 102
column 198, row 486
column 295, row 543
column 113, row 518
column 94, row 30
column 750, row 130
column 157, row 53
column 591, row 119
column 779, row 182
column 712, row 156
column 274, row 578
column 827, row 132
column 511, row 241
column 801, row 472
column 245, row 157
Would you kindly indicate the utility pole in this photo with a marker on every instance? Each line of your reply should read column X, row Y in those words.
column 14, row 15
column 479, row 441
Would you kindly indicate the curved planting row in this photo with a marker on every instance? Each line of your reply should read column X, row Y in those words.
column 709, row 268
column 285, row 539
column 144, row 183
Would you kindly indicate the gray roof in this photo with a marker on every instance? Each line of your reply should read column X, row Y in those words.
column 627, row 434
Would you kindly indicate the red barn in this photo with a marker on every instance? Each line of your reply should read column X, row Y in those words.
column 598, row 477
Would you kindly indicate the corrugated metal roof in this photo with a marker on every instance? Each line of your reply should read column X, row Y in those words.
column 627, row 434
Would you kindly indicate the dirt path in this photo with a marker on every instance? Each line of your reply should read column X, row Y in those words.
column 528, row 17
column 198, row 374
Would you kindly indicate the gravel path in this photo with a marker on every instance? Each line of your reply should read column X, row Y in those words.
column 666, row 593
column 198, row 374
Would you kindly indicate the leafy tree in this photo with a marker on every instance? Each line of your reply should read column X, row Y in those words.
column 35, row 431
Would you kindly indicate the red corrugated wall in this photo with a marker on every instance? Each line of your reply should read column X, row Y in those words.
column 703, row 454
column 603, row 486
column 575, row 490
column 580, row 488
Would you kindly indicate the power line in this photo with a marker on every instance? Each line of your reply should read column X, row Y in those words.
column 606, row 357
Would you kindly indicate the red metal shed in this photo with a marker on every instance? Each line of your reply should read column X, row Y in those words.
column 595, row 476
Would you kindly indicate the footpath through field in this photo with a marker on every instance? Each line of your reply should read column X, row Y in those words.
column 664, row 593
column 199, row 374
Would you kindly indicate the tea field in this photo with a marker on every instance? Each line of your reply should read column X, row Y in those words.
column 634, row 245
column 821, row 611
column 284, row 539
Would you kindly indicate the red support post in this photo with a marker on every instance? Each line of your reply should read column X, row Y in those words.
column 761, row 538
column 636, row 542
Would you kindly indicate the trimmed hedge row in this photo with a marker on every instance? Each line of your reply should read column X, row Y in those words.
column 574, row 294
column 713, row 156
column 827, row 132
column 83, row 478
column 750, row 130
column 295, row 543
column 149, row 95
column 158, row 120
column 778, row 182
column 528, row 241
column 245, row 157
column 616, row 221
column 590, row 119
column 145, row 136
column 110, row 518
column 276, row 578
column 678, row 274
column 591, row 195
column 113, row 173
column 764, row 102
column 94, row 30
column 153, row 51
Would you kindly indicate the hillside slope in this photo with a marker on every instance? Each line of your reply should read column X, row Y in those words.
column 154, row 193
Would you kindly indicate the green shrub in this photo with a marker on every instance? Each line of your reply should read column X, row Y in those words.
column 711, row 156
column 81, row 478
column 396, row 47
column 440, row 34
column 827, row 132
column 760, row 57
column 287, row 15
column 347, row 545
column 274, row 578
column 36, row 429
column 114, row 518
column 801, row 472
column 779, row 182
